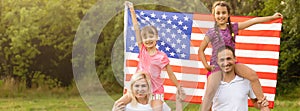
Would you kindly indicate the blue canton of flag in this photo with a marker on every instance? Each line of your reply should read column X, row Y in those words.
column 174, row 32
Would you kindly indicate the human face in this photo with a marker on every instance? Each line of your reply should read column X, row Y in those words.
column 149, row 40
column 226, row 61
column 221, row 15
column 140, row 89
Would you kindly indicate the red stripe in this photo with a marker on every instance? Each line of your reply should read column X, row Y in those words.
column 270, row 90
column 244, row 60
column 266, row 33
column 245, row 46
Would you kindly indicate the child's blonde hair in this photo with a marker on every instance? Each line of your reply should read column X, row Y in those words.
column 135, row 77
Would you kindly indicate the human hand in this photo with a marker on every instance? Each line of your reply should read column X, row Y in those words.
column 210, row 68
column 264, row 103
column 277, row 15
column 129, row 4
column 118, row 107
column 181, row 93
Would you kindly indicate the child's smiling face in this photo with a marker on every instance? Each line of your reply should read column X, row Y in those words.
column 221, row 14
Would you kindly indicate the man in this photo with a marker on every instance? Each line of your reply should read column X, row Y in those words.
column 234, row 90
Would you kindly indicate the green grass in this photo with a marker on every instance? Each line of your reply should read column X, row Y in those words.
column 75, row 103
column 43, row 104
column 69, row 100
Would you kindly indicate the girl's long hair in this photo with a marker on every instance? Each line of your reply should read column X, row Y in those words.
column 223, row 4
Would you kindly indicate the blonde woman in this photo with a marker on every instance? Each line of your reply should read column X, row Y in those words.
column 139, row 93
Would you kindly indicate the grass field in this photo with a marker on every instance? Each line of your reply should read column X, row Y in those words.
column 75, row 103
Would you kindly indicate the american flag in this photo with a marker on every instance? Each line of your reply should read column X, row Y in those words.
column 180, row 35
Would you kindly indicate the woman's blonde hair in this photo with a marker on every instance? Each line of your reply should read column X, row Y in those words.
column 135, row 77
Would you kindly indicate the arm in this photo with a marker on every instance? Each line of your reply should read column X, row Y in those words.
column 201, row 54
column 124, row 100
column 135, row 24
column 248, row 23
column 172, row 75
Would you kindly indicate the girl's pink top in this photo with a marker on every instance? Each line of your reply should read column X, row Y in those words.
column 216, row 42
column 153, row 65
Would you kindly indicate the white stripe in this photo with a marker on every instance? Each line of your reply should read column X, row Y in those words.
column 198, row 64
column 210, row 24
column 197, row 78
column 245, row 39
column 263, row 68
column 267, row 82
column 243, row 53
column 273, row 26
column 203, row 24
column 258, row 40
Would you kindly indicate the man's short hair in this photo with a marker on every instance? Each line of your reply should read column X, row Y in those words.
column 226, row 47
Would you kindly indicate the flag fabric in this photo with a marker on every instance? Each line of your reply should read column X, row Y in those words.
column 180, row 35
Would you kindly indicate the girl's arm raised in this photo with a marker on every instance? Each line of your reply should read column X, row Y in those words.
column 201, row 54
column 248, row 23
column 135, row 24
column 171, row 75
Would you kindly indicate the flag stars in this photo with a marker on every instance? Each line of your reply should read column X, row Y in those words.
column 162, row 43
column 182, row 55
column 167, row 48
column 163, row 25
column 142, row 13
column 175, row 17
column 157, row 47
column 131, row 48
column 180, row 22
column 183, row 46
column 186, row 18
column 173, row 45
column 132, row 38
column 179, row 31
column 147, row 18
column 158, row 20
column 163, row 34
column 158, row 28
column 153, row 15
column 168, row 39
column 168, row 30
column 178, row 50
column 172, row 54
column 173, row 35
column 169, row 21
column 178, row 41
column 143, row 21
column 174, row 26
column 164, row 16
column 152, row 23
column 185, row 27
column 184, row 36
